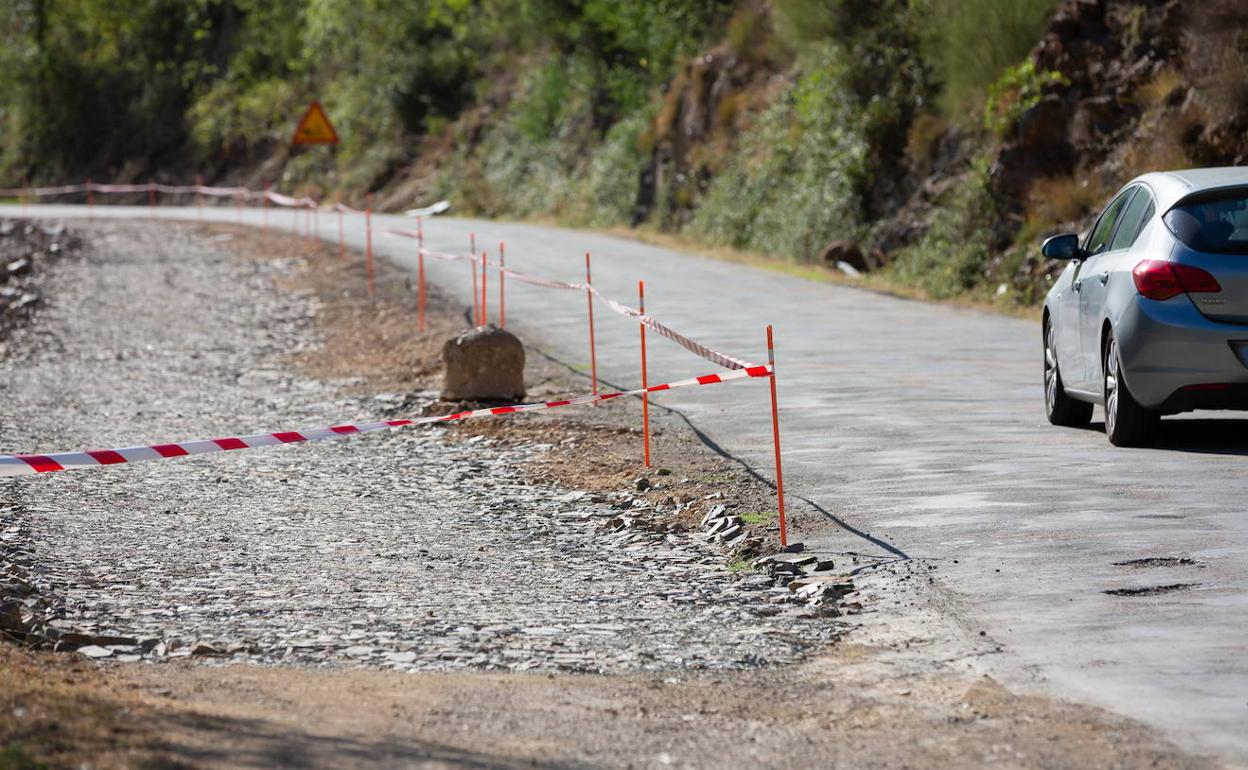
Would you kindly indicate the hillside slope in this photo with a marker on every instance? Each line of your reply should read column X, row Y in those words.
column 892, row 136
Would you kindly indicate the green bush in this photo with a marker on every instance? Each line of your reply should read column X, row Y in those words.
column 1018, row 90
column 615, row 171
column 954, row 254
column 970, row 43
column 795, row 181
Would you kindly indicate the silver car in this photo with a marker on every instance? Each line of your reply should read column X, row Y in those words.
column 1150, row 316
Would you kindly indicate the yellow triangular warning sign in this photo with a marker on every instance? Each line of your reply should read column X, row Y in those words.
column 315, row 127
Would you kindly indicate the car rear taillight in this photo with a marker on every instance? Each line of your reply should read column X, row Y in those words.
column 1160, row 280
column 1195, row 280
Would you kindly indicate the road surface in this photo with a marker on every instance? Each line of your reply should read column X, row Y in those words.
column 918, row 430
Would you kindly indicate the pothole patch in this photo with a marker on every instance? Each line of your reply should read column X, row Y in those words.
column 1158, row 561
column 1152, row 590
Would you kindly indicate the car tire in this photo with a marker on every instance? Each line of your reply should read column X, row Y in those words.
column 1060, row 408
column 1126, row 422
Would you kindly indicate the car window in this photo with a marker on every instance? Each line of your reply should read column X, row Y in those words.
column 1104, row 230
column 1214, row 222
column 1132, row 222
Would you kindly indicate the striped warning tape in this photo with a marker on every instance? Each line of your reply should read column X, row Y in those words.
column 286, row 200
column 20, row 465
column 127, row 188
column 698, row 349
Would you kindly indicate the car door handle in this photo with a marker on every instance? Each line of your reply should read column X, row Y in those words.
column 1076, row 285
column 1104, row 277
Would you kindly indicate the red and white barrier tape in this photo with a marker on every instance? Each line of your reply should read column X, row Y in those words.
column 710, row 354
column 67, row 189
column 698, row 349
column 21, row 465
column 286, row 200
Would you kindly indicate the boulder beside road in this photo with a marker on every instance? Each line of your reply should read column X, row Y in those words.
column 483, row 364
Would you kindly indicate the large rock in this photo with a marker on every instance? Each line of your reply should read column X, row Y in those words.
column 483, row 364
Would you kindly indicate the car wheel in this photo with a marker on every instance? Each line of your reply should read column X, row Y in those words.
column 1126, row 422
column 1060, row 408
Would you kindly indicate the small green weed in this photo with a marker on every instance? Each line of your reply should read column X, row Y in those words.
column 14, row 757
column 758, row 517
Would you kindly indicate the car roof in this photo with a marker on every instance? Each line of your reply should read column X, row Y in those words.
column 1170, row 187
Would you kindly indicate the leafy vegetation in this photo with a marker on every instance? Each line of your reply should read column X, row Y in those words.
column 797, row 177
column 970, row 43
column 1017, row 91
column 952, row 257
column 592, row 112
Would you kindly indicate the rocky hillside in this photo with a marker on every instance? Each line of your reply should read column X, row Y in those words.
column 885, row 136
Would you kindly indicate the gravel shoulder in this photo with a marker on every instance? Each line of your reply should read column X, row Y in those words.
column 494, row 594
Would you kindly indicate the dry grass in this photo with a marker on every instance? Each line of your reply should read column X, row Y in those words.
column 665, row 121
column 1065, row 199
column 58, row 709
column 1159, row 88
column 1218, row 55
column 925, row 133
column 748, row 32
column 874, row 282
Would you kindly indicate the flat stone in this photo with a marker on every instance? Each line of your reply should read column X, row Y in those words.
column 797, row 560
column 360, row 651
column 95, row 651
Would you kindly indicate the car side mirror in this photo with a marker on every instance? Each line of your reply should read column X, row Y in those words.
column 1065, row 246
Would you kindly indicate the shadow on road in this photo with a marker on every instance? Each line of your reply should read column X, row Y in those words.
column 753, row 472
column 1223, row 436
column 1219, row 436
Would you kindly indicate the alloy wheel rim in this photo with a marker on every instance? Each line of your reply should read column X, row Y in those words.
column 1050, row 371
column 1111, row 386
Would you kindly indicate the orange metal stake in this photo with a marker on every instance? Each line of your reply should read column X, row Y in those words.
column 368, row 235
column 645, row 380
column 775, row 434
column 502, row 286
column 420, row 291
column 485, row 308
column 593, row 355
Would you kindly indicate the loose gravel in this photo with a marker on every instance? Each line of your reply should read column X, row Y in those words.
column 405, row 550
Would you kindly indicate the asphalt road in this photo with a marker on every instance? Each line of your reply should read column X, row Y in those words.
column 918, row 429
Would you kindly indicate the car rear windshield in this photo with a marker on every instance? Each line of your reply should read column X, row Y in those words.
column 1214, row 222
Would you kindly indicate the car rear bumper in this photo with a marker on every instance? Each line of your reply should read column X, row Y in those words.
column 1175, row 359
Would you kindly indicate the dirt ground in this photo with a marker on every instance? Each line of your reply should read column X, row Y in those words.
column 900, row 690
